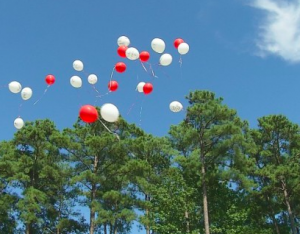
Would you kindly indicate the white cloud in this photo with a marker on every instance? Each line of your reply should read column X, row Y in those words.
column 280, row 29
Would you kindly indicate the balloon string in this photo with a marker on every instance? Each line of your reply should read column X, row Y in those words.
column 45, row 91
column 112, row 73
column 109, row 129
column 94, row 87
column 131, row 107
column 144, row 66
column 141, row 110
column 100, row 96
column 84, row 72
column 133, row 104
column 166, row 74
column 152, row 71
column 180, row 61
column 111, row 77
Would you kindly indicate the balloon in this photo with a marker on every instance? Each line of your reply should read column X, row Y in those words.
column 113, row 85
column 165, row 60
column 76, row 81
column 158, row 45
column 177, row 42
column 144, row 56
column 147, row 88
column 109, row 112
column 92, row 79
column 123, row 41
column 175, row 106
column 183, row 48
column 18, row 123
column 132, row 53
column 140, row 87
column 122, row 51
column 50, row 79
column 15, row 87
column 78, row 65
column 120, row 67
column 88, row 114
column 26, row 93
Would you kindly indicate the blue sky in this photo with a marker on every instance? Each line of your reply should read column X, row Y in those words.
column 247, row 52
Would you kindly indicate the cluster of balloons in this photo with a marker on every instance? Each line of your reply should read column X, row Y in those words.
column 26, row 94
column 158, row 46
column 109, row 112
column 16, row 87
column 89, row 113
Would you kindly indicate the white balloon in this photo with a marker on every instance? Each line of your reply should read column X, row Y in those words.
column 26, row 93
column 78, row 65
column 92, row 79
column 18, row 123
column 14, row 87
column 183, row 48
column 109, row 112
column 175, row 106
column 132, row 53
column 158, row 45
column 123, row 41
column 140, row 87
column 165, row 59
column 76, row 81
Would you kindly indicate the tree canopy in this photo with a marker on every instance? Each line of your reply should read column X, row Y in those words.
column 211, row 173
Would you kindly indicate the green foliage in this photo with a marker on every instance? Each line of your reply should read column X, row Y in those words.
column 36, row 166
column 213, row 144
column 277, row 169
column 250, row 178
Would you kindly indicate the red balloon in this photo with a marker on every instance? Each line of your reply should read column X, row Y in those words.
column 147, row 88
column 177, row 42
column 144, row 56
column 88, row 114
column 120, row 67
column 50, row 79
column 113, row 85
column 122, row 51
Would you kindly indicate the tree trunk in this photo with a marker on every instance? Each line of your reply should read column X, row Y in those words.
column 289, row 208
column 57, row 231
column 204, row 190
column 93, row 197
column 273, row 216
column 187, row 221
column 28, row 228
column 110, row 228
column 92, row 215
column 105, row 228
column 147, row 215
column 275, row 225
column 116, row 221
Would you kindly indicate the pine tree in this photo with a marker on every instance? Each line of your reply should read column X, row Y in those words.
column 96, row 152
column 149, row 157
column 8, row 198
column 211, row 134
column 277, row 162
column 36, row 168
